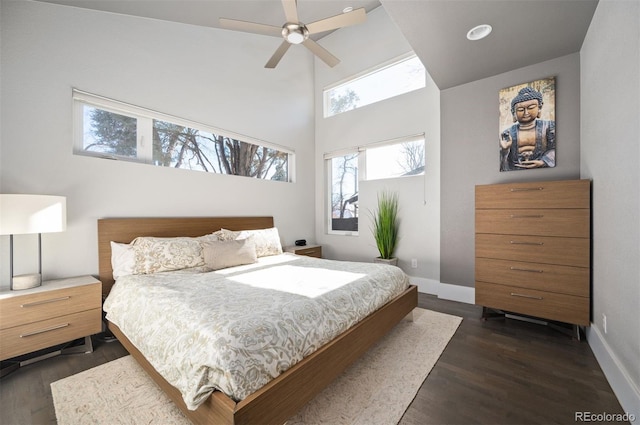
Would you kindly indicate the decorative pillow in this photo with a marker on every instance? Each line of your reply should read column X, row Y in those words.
column 222, row 254
column 267, row 240
column 211, row 236
column 123, row 259
column 153, row 255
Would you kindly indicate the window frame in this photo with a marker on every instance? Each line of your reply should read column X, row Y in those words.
column 145, row 118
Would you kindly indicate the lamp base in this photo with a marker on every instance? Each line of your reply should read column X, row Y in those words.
column 26, row 281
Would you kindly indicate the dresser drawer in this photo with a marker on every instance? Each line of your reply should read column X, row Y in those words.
column 551, row 222
column 46, row 333
column 539, row 249
column 42, row 305
column 543, row 277
column 546, row 305
column 554, row 194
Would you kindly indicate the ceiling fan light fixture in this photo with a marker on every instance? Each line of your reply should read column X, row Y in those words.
column 479, row 32
column 295, row 33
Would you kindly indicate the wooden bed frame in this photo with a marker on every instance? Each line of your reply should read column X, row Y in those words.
column 288, row 393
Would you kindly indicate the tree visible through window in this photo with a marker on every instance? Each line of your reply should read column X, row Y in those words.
column 183, row 147
column 344, row 193
column 111, row 133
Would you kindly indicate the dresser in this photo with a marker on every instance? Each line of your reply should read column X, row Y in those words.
column 308, row 250
column 59, row 311
column 532, row 249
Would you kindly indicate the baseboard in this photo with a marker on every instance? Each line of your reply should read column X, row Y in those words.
column 624, row 388
column 463, row 294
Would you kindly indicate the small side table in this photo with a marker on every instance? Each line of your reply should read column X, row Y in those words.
column 54, row 313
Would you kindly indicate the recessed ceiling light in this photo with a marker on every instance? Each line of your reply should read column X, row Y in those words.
column 347, row 9
column 479, row 32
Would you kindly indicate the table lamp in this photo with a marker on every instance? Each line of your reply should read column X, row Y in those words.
column 27, row 214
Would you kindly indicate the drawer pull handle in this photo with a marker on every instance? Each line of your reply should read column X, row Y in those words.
column 41, row 331
column 52, row 300
column 527, row 216
column 525, row 189
column 525, row 243
column 514, row 294
column 518, row 269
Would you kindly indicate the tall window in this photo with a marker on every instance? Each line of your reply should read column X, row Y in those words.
column 115, row 130
column 343, row 193
column 386, row 81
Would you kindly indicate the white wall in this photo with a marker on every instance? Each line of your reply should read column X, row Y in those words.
column 205, row 75
column 360, row 48
column 610, row 87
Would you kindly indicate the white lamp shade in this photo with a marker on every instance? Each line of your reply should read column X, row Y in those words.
column 22, row 214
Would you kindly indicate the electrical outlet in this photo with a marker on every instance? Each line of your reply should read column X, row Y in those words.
column 414, row 263
column 604, row 322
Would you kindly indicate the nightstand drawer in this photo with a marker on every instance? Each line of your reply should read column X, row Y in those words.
column 308, row 250
column 34, row 307
column 46, row 333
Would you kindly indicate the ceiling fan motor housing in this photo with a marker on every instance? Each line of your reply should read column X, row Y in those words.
column 295, row 33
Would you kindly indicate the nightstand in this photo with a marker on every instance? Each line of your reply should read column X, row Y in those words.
column 59, row 311
column 308, row 250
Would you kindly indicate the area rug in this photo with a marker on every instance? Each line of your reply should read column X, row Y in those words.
column 376, row 389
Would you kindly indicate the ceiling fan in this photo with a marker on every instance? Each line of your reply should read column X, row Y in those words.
column 295, row 32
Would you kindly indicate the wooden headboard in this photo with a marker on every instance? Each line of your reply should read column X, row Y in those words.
column 124, row 230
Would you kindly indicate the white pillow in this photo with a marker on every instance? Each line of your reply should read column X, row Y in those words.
column 123, row 259
column 267, row 240
column 222, row 254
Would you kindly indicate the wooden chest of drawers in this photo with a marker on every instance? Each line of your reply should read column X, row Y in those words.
column 533, row 244
column 56, row 312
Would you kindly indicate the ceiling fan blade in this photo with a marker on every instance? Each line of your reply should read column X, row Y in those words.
column 233, row 24
column 291, row 10
column 321, row 52
column 343, row 20
column 278, row 55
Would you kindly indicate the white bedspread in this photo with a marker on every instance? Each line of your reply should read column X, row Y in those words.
column 238, row 328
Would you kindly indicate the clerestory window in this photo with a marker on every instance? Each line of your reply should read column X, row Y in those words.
column 385, row 81
column 115, row 130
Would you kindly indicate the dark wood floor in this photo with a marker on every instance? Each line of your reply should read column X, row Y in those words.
column 501, row 371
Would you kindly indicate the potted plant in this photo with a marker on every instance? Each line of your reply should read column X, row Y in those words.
column 385, row 227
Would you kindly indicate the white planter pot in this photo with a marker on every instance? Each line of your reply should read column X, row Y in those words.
column 391, row 261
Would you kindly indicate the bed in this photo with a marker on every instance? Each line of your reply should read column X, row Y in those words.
column 283, row 396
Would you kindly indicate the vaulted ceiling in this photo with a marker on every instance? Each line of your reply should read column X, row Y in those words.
column 524, row 32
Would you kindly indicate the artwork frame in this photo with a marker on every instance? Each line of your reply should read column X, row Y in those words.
column 527, row 125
